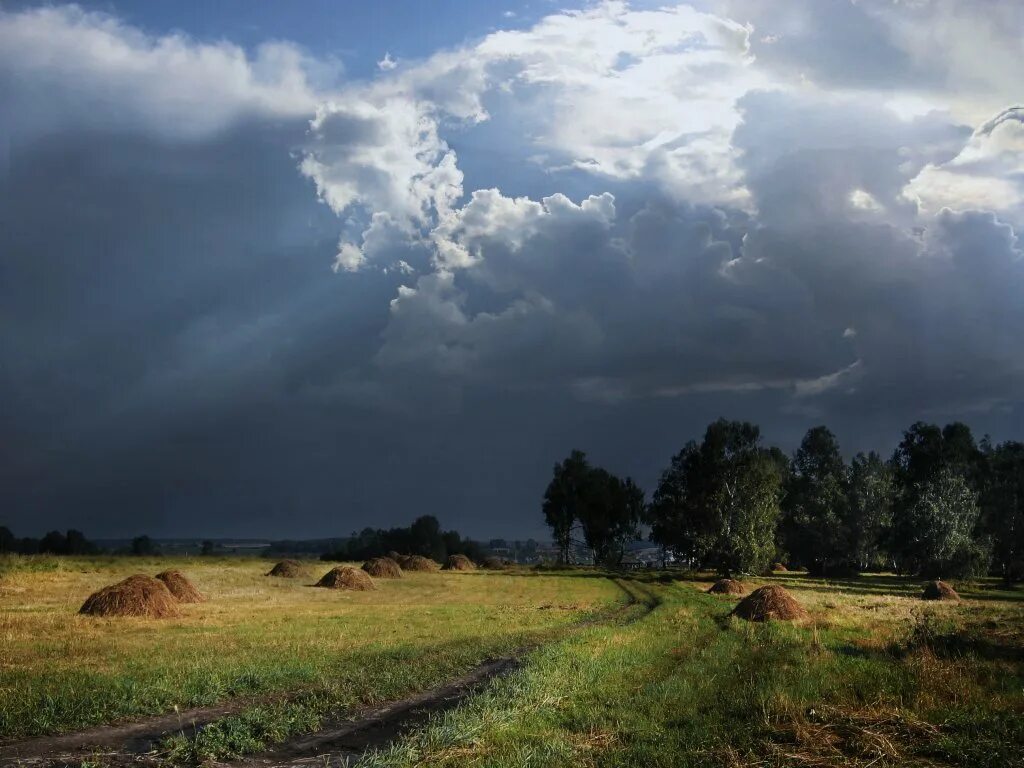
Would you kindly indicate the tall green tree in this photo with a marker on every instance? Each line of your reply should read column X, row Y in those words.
column 927, row 463
column 869, row 499
column 814, row 525
column 718, row 502
column 427, row 539
column 563, row 498
column 610, row 515
column 670, row 516
column 1003, row 508
column 942, row 520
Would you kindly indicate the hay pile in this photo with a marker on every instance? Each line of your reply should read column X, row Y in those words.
column 779, row 567
column 459, row 563
column 287, row 569
column 346, row 577
column 382, row 568
column 493, row 563
column 394, row 556
column 138, row 595
column 771, row 602
column 726, row 587
column 179, row 585
column 939, row 590
column 417, row 563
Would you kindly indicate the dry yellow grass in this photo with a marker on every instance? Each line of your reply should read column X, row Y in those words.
column 253, row 634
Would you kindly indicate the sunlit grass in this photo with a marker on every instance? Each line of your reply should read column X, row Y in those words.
column 687, row 685
column 256, row 635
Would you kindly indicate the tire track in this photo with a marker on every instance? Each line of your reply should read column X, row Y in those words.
column 134, row 744
column 344, row 742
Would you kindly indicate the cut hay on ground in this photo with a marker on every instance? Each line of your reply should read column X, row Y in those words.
column 347, row 577
column 494, row 563
column 939, row 590
column 779, row 567
column 459, row 563
column 138, row 595
column 180, row 586
column 417, row 563
column 287, row 569
column 726, row 587
column 382, row 568
column 771, row 602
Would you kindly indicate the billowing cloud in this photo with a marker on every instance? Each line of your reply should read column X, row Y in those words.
column 65, row 68
column 987, row 174
column 602, row 229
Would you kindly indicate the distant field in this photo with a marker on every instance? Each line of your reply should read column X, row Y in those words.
column 60, row 671
column 874, row 677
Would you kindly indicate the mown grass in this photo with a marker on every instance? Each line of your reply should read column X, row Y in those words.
column 874, row 677
column 268, row 724
column 278, row 641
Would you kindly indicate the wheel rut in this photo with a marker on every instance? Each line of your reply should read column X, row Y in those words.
column 339, row 743
column 343, row 743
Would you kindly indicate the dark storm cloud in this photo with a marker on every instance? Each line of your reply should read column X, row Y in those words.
column 179, row 359
column 157, row 298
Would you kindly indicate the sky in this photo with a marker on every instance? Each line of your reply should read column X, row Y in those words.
column 290, row 270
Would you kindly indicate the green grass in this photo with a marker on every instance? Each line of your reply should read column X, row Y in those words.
column 873, row 678
column 256, row 637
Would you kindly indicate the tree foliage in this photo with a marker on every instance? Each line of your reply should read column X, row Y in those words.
column 718, row 502
column 563, row 498
column 1002, row 502
column 423, row 537
column 815, row 523
column 938, row 474
column 606, row 509
column 869, row 498
column 941, row 522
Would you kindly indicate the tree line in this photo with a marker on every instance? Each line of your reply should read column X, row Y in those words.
column 423, row 537
column 941, row 505
column 71, row 543
column 54, row 543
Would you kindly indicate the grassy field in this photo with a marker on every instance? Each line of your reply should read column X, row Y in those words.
column 874, row 677
column 60, row 671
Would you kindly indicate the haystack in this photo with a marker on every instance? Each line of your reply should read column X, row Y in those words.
column 779, row 567
column 138, row 595
column 383, row 568
column 939, row 590
column 770, row 602
column 726, row 587
column 287, row 569
column 180, row 586
column 418, row 563
column 347, row 577
column 459, row 563
column 394, row 556
column 493, row 563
